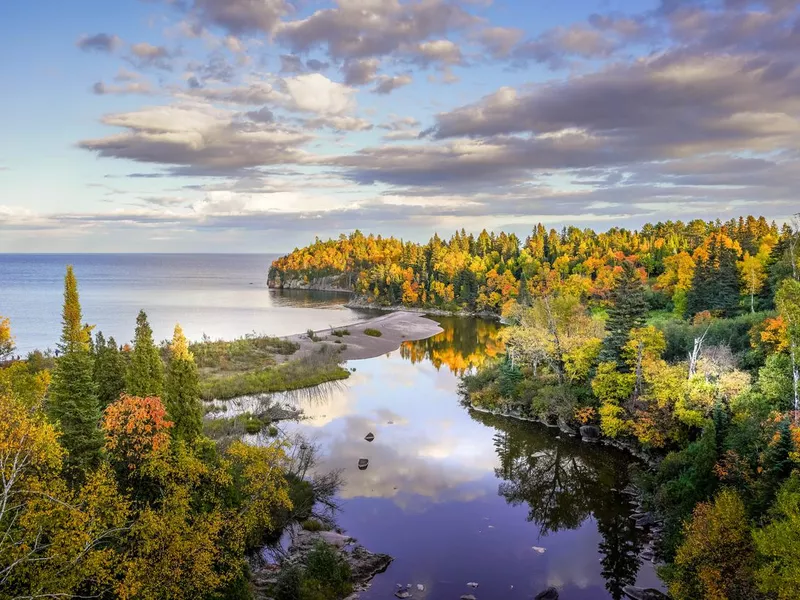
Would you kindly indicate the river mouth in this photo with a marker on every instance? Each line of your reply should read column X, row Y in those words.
column 456, row 496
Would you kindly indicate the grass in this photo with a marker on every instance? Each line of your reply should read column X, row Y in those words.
column 277, row 378
column 242, row 354
column 372, row 332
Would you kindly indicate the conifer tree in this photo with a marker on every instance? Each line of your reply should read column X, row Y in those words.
column 73, row 402
column 182, row 393
column 726, row 285
column 145, row 374
column 628, row 311
column 109, row 370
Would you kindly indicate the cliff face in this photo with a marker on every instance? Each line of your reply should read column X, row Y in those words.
column 332, row 283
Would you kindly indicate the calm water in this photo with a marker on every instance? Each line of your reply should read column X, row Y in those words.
column 223, row 296
column 458, row 496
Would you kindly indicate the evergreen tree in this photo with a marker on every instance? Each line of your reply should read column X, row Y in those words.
column 109, row 370
column 628, row 311
column 698, row 298
column 778, row 463
column 182, row 390
column 72, row 401
column 726, row 289
column 145, row 374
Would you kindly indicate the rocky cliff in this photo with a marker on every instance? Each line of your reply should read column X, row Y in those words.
column 332, row 283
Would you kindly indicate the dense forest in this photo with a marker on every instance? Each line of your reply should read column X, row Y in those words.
column 691, row 267
column 691, row 358
column 111, row 487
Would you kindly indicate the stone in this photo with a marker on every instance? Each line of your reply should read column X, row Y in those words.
column 472, row 584
column 468, row 597
column 403, row 594
column 637, row 593
column 589, row 433
column 363, row 463
column 550, row 593
column 370, row 436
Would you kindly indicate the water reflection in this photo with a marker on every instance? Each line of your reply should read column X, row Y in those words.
column 564, row 482
column 463, row 344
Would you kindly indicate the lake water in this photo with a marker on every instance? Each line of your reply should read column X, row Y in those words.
column 222, row 296
column 454, row 495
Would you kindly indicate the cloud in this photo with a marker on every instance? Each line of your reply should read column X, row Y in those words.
column 387, row 84
column 339, row 123
column 444, row 52
column 316, row 65
column 99, row 42
column 199, row 138
column 313, row 92
column 145, row 55
column 291, row 63
column 262, row 115
column 360, row 71
column 131, row 87
column 366, row 28
column 555, row 46
column 499, row 41
column 241, row 16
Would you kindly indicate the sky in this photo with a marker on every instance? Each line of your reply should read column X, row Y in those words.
column 257, row 125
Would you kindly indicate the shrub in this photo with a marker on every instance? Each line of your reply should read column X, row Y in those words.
column 340, row 332
column 311, row 335
column 313, row 525
column 372, row 332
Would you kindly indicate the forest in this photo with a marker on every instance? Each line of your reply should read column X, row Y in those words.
column 111, row 487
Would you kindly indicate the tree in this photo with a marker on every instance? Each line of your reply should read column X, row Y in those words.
column 109, row 370
column 73, row 400
column 182, row 392
column 6, row 340
column 788, row 303
column 778, row 548
column 717, row 556
column 628, row 311
column 145, row 375
column 753, row 275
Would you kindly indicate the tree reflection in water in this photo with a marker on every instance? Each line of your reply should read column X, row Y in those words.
column 564, row 482
column 464, row 343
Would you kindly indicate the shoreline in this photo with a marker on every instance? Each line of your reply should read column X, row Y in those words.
column 397, row 327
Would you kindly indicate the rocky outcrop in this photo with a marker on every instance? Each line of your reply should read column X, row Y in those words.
column 550, row 593
column 331, row 283
column 590, row 433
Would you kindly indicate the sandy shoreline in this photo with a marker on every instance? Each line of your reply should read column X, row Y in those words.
column 395, row 327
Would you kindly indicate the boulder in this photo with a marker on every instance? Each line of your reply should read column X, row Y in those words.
column 468, row 597
column 590, row 433
column 637, row 593
column 369, row 437
column 550, row 593
column 363, row 463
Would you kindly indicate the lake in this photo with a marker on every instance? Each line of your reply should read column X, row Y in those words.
column 453, row 495
column 220, row 295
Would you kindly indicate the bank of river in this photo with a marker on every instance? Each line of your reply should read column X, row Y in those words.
column 457, row 496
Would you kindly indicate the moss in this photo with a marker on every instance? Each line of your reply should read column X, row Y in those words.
column 372, row 332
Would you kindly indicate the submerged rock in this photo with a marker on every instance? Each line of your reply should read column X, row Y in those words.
column 550, row 593
column 363, row 463
column 637, row 593
column 590, row 433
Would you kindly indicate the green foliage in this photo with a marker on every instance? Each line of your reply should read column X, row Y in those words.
column 109, row 370
column 145, row 375
column 326, row 576
column 340, row 332
column 182, row 390
column 628, row 311
column 72, row 401
column 509, row 378
column 313, row 525
column 372, row 332
column 777, row 544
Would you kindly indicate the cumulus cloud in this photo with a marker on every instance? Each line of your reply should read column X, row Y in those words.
column 99, row 42
column 241, row 16
column 387, row 84
column 206, row 139
column 443, row 52
column 339, row 123
column 499, row 41
column 313, row 92
column 131, row 87
column 360, row 71
column 145, row 55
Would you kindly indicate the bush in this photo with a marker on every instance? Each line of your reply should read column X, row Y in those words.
column 325, row 565
column 372, row 332
column 313, row 525
column 311, row 335
column 340, row 332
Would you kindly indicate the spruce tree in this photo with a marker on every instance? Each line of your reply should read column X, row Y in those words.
column 72, row 400
column 628, row 311
column 109, row 370
column 698, row 298
column 182, row 394
column 727, row 286
column 145, row 374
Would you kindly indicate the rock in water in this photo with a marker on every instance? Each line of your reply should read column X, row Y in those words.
column 370, row 436
column 637, row 593
column 550, row 593
column 472, row 584
column 403, row 594
column 468, row 597
column 363, row 463
column 590, row 433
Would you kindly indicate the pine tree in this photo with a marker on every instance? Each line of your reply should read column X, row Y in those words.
column 628, row 311
column 698, row 298
column 726, row 282
column 145, row 374
column 182, row 390
column 72, row 401
column 109, row 370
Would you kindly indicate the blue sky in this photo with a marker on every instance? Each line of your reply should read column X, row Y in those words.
column 255, row 125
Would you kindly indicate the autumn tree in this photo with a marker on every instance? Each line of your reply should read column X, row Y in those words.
column 788, row 303
column 109, row 370
column 6, row 340
column 716, row 560
column 182, row 392
column 145, row 374
column 753, row 274
column 777, row 545
column 628, row 311
column 72, row 401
